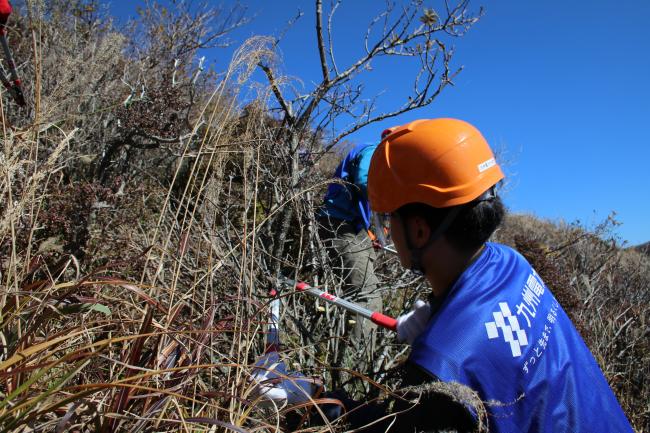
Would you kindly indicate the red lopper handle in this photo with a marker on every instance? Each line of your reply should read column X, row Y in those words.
column 5, row 11
column 384, row 321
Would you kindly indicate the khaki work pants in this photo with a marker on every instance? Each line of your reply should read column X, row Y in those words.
column 352, row 258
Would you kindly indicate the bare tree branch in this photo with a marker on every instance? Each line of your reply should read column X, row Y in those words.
column 329, row 35
column 319, row 36
column 290, row 24
column 277, row 93
column 339, row 104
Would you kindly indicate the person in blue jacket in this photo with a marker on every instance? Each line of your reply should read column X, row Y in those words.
column 344, row 222
column 491, row 324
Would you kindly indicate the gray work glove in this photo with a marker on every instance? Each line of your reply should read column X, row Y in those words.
column 411, row 324
column 278, row 387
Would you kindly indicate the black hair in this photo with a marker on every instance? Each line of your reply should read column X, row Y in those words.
column 472, row 226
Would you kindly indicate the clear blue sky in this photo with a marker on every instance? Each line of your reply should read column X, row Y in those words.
column 560, row 89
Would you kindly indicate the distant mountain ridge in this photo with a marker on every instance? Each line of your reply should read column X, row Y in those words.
column 643, row 248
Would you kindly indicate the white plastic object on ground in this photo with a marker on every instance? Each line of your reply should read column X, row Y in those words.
column 278, row 387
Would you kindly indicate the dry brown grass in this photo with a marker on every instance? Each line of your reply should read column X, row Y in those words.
column 130, row 298
column 139, row 212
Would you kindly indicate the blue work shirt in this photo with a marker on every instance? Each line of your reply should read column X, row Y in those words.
column 349, row 201
column 500, row 331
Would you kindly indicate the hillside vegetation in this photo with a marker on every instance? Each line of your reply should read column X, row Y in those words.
column 144, row 207
column 643, row 248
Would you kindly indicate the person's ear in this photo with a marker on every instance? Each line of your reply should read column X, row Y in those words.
column 418, row 231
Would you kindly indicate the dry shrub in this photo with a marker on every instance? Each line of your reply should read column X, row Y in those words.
column 87, row 214
column 143, row 211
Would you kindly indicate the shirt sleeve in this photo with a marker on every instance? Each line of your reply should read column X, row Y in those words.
column 359, row 170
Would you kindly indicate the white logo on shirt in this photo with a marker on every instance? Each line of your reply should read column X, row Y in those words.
column 510, row 328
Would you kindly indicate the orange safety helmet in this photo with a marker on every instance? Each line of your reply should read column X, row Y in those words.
column 438, row 162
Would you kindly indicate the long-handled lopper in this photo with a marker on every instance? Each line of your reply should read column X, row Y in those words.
column 14, row 85
column 376, row 317
column 379, row 241
column 274, row 383
column 378, row 246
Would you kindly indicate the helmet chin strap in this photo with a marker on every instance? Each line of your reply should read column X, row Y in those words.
column 416, row 253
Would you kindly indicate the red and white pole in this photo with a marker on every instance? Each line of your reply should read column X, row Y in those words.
column 376, row 317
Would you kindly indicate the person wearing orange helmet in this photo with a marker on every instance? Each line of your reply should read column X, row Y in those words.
column 491, row 323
